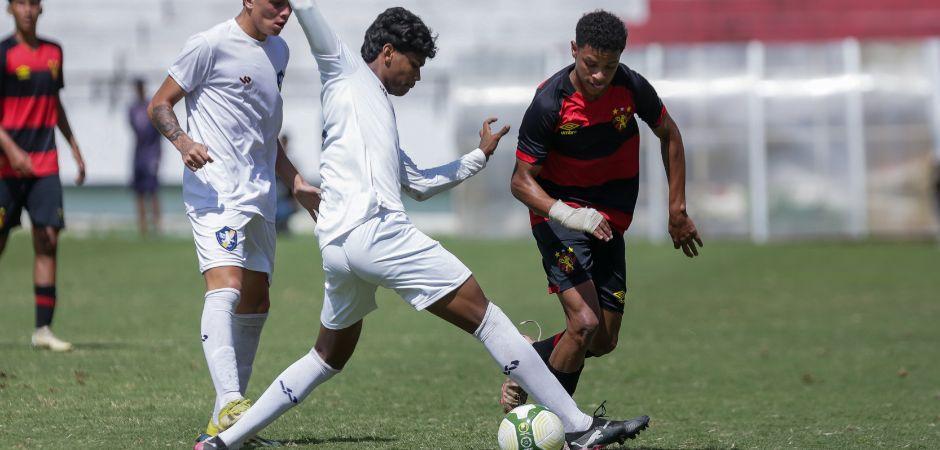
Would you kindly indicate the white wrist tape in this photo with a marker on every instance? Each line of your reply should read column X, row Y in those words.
column 580, row 219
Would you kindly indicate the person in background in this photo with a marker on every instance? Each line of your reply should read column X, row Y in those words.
column 936, row 192
column 286, row 205
column 31, row 78
column 147, row 148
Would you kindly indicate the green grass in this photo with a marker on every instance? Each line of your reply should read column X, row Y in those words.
column 802, row 345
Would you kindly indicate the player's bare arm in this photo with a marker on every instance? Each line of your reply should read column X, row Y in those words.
column 194, row 154
column 527, row 190
column 307, row 195
column 66, row 130
column 18, row 158
column 681, row 228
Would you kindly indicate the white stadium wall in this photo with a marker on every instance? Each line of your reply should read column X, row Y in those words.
column 784, row 140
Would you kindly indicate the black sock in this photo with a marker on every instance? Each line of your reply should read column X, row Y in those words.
column 545, row 347
column 45, row 304
column 569, row 381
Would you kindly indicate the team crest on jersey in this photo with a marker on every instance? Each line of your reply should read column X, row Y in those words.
column 621, row 118
column 569, row 129
column 227, row 237
column 23, row 72
column 54, row 67
column 280, row 79
column 566, row 260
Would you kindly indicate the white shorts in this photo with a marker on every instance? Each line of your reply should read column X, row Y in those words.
column 388, row 251
column 234, row 238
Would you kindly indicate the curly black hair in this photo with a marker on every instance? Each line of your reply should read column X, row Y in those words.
column 401, row 28
column 602, row 31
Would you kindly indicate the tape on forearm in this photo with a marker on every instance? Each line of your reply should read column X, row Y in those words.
column 580, row 219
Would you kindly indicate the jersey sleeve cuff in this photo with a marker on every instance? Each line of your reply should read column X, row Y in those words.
column 179, row 81
column 662, row 115
column 525, row 157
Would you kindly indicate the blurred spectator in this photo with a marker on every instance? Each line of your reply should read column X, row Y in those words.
column 936, row 191
column 146, row 162
column 286, row 205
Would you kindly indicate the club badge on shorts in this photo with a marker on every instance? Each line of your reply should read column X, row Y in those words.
column 566, row 260
column 227, row 237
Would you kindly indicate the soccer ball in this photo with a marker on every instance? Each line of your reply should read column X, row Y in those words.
column 531, row 427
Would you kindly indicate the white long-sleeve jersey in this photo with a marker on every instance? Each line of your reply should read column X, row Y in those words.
column 362, row 165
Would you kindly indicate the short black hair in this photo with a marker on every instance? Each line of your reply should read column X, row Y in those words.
column 602, row 31
column 401, row 28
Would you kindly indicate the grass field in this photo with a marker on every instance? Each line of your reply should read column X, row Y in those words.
column 797, row 346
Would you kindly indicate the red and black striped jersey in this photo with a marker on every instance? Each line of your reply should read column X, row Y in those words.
column 29, row 93
column 590, row 151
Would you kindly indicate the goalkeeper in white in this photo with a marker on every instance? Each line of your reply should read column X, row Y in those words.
column 367, row 240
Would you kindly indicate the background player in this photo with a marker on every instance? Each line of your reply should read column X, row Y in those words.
column 146, row 162
column 231, row 76
column 368, row 241
column 29, row 165
column 577, row 171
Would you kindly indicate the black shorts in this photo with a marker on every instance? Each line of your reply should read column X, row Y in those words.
column 42, row 198
column 573, row 257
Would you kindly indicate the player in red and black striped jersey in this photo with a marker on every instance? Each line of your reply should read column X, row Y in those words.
column 577, row 170
column 30, row 111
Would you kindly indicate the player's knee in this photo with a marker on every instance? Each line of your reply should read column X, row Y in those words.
column 582, row 329
column 46, row 243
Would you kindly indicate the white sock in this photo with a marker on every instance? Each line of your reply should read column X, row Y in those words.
column 246, row 334
column 218, row 345
column 519, row 360
column 289, row 388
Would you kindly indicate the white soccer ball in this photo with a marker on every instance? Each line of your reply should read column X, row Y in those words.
column 531, row 427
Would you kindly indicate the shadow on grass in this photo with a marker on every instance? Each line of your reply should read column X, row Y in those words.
column 335, row 440
column 107, row 345
column 78, row 346
column 647, row 447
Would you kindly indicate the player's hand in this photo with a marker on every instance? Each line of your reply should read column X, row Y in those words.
column 195, row 155
column 683, row 233
column 488, row 140
column 584, row 219
column 21, row 163
column 80, row 178
column 603, row 231
column 309, row 197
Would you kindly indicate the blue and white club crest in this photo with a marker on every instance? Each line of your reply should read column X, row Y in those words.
column 227, row 237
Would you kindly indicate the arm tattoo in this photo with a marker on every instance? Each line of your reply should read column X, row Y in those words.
column 164, row 119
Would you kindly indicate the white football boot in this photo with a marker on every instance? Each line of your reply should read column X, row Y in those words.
column 43, row 338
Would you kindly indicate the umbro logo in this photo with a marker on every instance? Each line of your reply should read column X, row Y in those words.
column 246, row 80
column 288, row 392
column 509, row 368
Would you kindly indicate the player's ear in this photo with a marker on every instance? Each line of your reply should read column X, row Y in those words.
column 387, row 51
column 574, row 50
column 248, row 4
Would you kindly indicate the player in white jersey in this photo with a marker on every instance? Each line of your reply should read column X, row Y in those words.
column 230, row 76
column 367, row 240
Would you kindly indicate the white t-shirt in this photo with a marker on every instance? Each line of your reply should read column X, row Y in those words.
column 234, row 108
column 362, row 166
